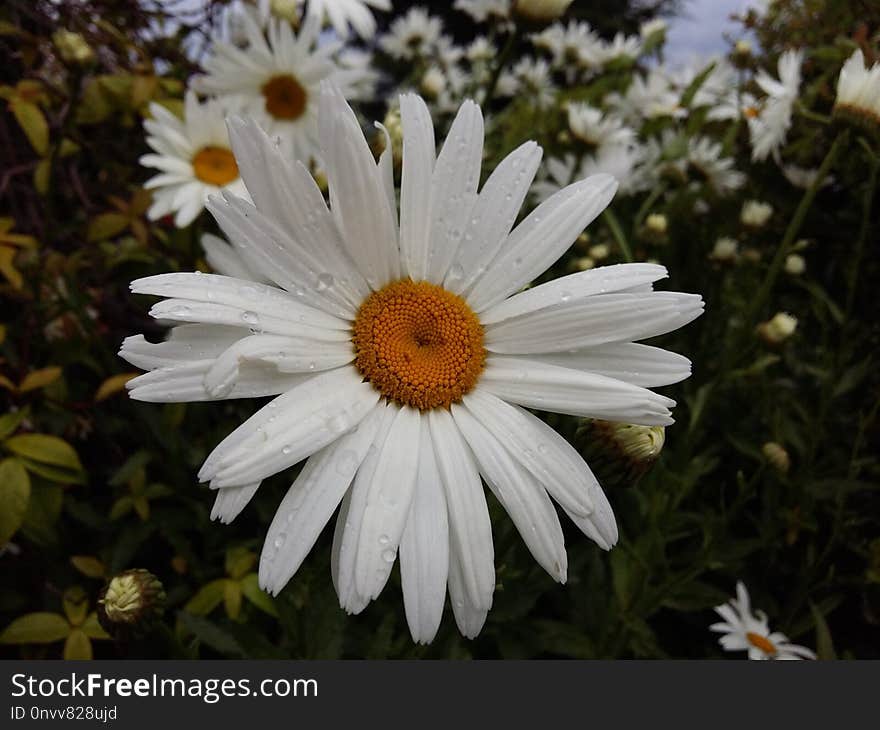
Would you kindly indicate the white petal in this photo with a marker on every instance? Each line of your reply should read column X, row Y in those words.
column 385, row 171
column 310, row 502
column 493, row 215
column 268, row 302
column 286, row 192
column 468, row 617
column 542, row 451
column 524, row 499
column 270, row 249
column 574, row 392
column 537, row 242
column 642, row 365
column 388, row 498
column 186, row 343
column 573, row 288
column 469, row 524
column 424, row 548
column 290, row 428
column 229, row 503
column 415, row 185
column 593, row 320
column 356, row 198
column 287, row 354
column 225, row 260
column 454, row 189
column 346, row 536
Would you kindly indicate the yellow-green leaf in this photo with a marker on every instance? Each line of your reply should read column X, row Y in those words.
column 232, row 599
column 93, row 629
column 76, row 605
column 207, row 598
column 32, row 122
column 39, row 378
column 106, row 225
column 42, row 174
column 250, row 586
column 88, row 566
column 78, row 645
column 239, row 561
column 36, row 628
column 120, row 508
column 45, row 449
column 9, row 422
column 141, row 506
column 7, row 267
column 112, row 385
column 15, row 493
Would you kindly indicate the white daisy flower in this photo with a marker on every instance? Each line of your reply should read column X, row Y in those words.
column 745, row 631
column 595, row 128
column 277, row 81
column 403, row 355
column 621, row 47
column 769, row 128
column 346, row 15
column 193, row 156
column 414, row 35
column 574, row 46
column 530, row 77
column 647, row 97
column 627, row 163
column 858, row 90
column 483, row 10
column 704, row 156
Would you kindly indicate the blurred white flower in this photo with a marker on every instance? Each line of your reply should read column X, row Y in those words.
column 596, row 129
column 725, row 250
column 483, row 10
column 858, row 90
column 575, row 47
column 529, row 78
column 414, row 35
column 747, row 631
column 193, row 156
column 704, row 156
column 647, row 97
column 755, row 213
column 769, row 128
column 795, row 264
column 778, row 329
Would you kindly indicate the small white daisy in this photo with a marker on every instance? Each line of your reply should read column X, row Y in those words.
column 483, row 10
column 193, row 156
column 403, row 355
column 595, row 128
column 621, row 47
column 704, row 157
column 414, row 35
column 769, row 128
column 344, row 15
column 529, row 78
column 277, row 80
column 745, row 631
column 647, row 97
column 575, row 47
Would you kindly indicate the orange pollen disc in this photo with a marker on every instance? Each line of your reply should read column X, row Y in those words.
column 761, row 642
column 215, row 165
column 750, row 112
column 419, row 344
column 285, row 97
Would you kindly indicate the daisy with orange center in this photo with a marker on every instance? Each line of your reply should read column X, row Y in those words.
column 403, row 352
column 276, row 77
column 747, row 631
column 193, row 157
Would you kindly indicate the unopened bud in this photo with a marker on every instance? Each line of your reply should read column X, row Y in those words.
column 620, row 453
column 778, row 329
column 72, row 47
column 130, row 603
column 777, row 456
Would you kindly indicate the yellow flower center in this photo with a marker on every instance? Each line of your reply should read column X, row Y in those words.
column 418, row 344
column 285, row 97
column 215, row 165
column 761, row 642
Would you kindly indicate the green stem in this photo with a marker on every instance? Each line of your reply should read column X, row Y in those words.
column 503, row 58
column 792, row 231
column 807, row 114
column 617, row 231
column 648, row 204
column 867, row 202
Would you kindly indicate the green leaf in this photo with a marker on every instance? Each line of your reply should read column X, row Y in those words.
column 824, row 644
column 36, row 628
column 9, row 422
column 78, row 645
column 106, row 225
column 239, row 561
column 250, row 586
column 45, row 449
column 32, row 122
column 15, row 493
column 207, row 598
column 42, row 514
column 211, row 635
column 54, row 473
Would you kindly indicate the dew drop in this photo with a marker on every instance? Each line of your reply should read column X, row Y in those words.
column 388, row 556
column 250, row 317
column 325, row 281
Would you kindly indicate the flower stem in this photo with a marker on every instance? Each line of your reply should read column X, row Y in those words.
column 502, row 59
column 792, row 231
column 617, row 231
column 867, row 202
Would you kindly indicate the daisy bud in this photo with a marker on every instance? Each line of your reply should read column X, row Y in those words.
column 584, row 263
column 725, row 250
column 130, row 603
column 858, row 94
column 742, row 47
column 795, row 264
column 778, row 329
column 433, row 82
column 777, row 456
column 599, row 252
column 755, row 214
column 620, row 453
column 656, row 223
column 541, row 12
column 72, row 47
